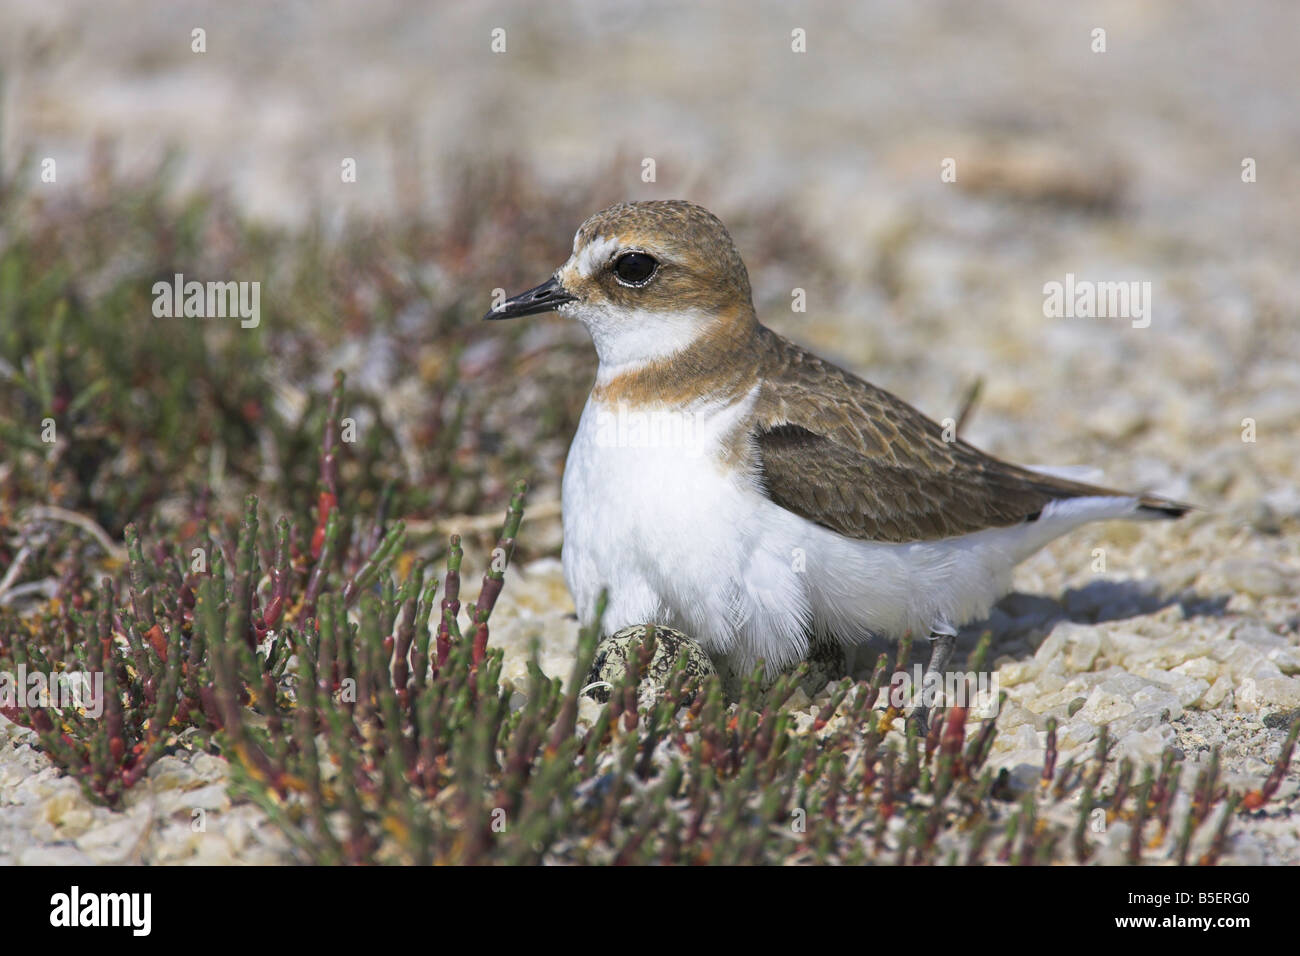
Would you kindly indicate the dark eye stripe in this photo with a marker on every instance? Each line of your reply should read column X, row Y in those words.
column 635, row 268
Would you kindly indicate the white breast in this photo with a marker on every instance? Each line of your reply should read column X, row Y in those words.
column 654, row 515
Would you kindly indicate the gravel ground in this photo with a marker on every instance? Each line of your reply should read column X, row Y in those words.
column 1117, row 166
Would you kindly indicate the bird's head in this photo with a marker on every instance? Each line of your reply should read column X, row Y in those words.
column 647, row 279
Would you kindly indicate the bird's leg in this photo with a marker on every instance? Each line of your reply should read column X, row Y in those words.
column 943, row 638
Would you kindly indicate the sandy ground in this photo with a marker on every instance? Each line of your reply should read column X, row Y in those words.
column 1125, row 165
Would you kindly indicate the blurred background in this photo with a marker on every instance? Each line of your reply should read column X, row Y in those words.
column 484, row 133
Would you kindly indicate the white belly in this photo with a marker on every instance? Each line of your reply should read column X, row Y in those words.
column 679, row 539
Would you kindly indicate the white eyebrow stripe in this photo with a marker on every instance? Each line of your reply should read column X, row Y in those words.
column 595, row 255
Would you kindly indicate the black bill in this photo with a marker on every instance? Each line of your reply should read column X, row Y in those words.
column 542, row 298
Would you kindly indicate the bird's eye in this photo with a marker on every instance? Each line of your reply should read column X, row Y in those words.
column 635, row 268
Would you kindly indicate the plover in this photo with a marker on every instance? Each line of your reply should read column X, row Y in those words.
column 779, row 499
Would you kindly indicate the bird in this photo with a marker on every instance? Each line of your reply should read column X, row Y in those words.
column 731, row 484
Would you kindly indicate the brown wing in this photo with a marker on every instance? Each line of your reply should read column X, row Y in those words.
column 853, row 458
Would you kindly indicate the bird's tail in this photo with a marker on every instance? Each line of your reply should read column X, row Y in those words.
column 1152, row 506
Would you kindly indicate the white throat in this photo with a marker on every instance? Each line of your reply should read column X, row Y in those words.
column 628, row 339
